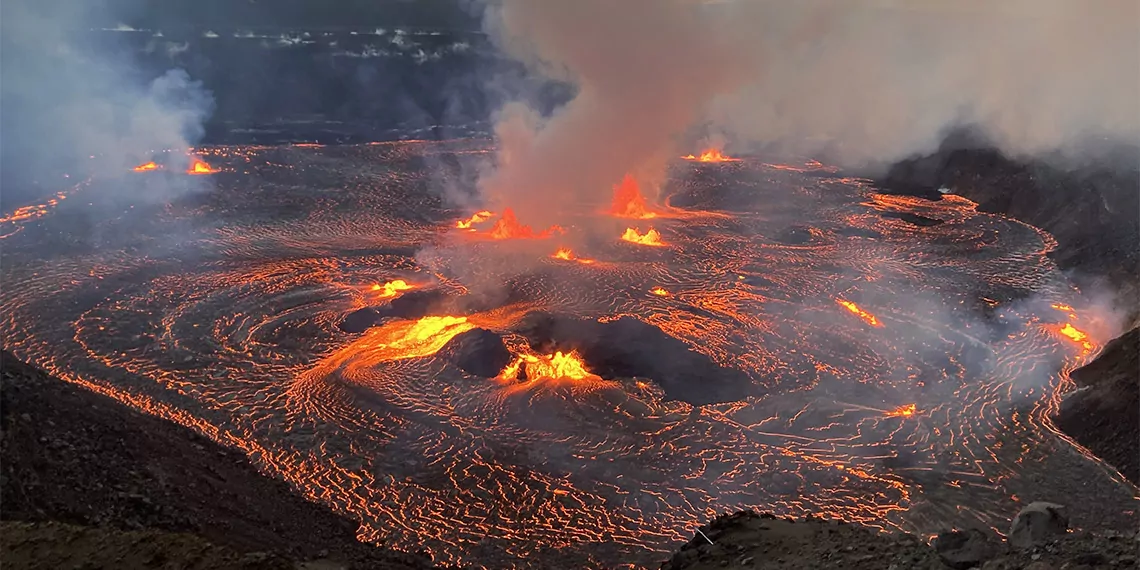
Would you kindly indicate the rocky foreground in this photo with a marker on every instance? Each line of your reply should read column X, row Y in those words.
column 87, row 482
column 748, row 540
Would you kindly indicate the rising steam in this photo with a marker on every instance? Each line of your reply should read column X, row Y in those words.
column 72, row 104
column 863, row 80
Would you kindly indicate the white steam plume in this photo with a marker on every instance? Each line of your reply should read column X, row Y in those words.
column 866, row 80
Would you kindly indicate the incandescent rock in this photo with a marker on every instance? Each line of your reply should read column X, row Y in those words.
column 1038, row 523
column 480, row 352
column 963, row 549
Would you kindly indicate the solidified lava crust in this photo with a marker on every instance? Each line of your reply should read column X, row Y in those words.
column 849, row 374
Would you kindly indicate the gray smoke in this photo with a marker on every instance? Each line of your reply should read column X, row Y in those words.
column 865, row 80
column 71, row 103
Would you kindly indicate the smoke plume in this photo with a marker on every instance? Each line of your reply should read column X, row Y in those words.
column 862, row 80
column 75, row 104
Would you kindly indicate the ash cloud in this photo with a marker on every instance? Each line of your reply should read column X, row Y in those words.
column 859, row 82
column 68, row 98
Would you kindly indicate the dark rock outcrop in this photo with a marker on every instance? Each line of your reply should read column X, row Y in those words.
column 963, row 549
column 628, row 348
column 479, row 352
column 1104, row 416
column 359, row 320
column 1037, row 524
column 1091, row 207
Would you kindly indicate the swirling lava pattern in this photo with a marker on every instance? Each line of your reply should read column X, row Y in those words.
column 219, row 311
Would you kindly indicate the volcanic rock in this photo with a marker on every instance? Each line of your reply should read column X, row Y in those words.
column 73, row 456
column 360, row 320
column 1038, row 523
column 419, row 304
column 1105, row 415
column 630, row 348
column 914, row 219
column 963, row 549
column 479, row 352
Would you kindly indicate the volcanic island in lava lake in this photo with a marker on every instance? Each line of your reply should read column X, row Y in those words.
column 767, row 336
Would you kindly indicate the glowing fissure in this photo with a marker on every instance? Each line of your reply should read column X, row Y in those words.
column 855, row 310
column 710, row 155
column 391, row 288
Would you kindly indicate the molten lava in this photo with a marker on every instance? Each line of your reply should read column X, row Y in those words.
column 558, row 366
column 903, row 411
column 146, row 167
column 1076, row 335
column 711, row 155
column 628, row 202
column 659, row 291
column 566, row 254
column 411, row 339
column 855, row 310
column 199, row 166
column 508, row 227
column 651, row 237
column 476, row 218
column 391, row 288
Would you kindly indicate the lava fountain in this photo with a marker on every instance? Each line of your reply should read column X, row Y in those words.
column 628, row 201
column 710, row 155
column 651, row 237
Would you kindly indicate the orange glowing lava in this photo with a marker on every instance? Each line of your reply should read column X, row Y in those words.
column 508, row 227
column 628, row 202
column 558, row 366
column 867, row 317
column 711, row 155
column 199, row 166
column 476, row 218
column 1076, row 335
column 651, row 237
column 146, row 167
column 391, row 288
column 903, row 411
column 409, row 339
column 659, row 291
column 1062, row 307
column 566, row 254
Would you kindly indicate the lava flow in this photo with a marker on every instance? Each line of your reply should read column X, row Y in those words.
column 711, row 155
column 855, row 310
column 606, row 458
column 1076, row 335
column 476, row 218
column 566, row 254
column 558, row 366
column 391, row 288
column 199, row 166
column 651, row 237
column 903, row 411
column 628, row 201
column 146, row 167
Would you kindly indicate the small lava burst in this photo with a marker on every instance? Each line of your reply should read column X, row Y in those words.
column 558, row 366
column 146, row 167
column 566, row 254
column 628, row 201
column 1076, row 335
column 659, row 291
column 651, row 237
column 903, row 411
column 391, row 288
column 476, row 218
column 508, row 227
column 711, row 155
column 199, row 166
column 855, row 310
